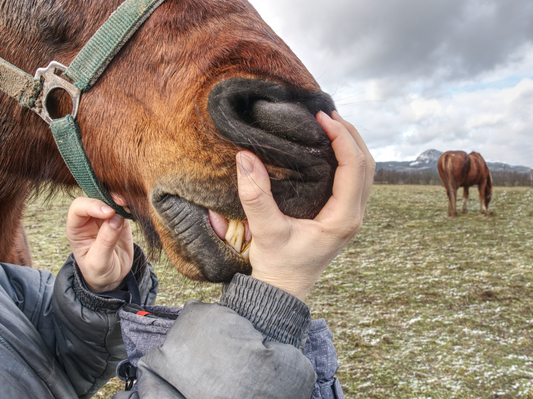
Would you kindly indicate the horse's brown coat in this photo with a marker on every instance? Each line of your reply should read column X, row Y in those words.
column 145, row 124
column 459, row 169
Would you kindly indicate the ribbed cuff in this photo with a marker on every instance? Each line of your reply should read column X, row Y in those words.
column 279, row 316
column 105, row 300
column 87, row 298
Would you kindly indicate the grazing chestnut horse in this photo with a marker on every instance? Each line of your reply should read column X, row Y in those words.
column 198, row 81
column 459, row 169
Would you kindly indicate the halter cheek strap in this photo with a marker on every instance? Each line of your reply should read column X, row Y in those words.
column 94, row 57
column 84, row 71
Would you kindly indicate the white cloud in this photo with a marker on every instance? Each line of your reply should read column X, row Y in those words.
column 411, row 75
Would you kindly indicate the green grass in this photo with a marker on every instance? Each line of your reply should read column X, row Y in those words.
column 420, row 305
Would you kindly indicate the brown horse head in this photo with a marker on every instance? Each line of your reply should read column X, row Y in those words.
column 198, row 82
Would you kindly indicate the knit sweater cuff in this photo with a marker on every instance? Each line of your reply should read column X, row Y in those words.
column 102, row 301
column 279, row 316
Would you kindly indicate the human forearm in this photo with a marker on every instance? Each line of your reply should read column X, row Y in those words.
column 214, row 345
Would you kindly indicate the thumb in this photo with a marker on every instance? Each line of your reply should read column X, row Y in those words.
column 107, row 239
column 261, row 210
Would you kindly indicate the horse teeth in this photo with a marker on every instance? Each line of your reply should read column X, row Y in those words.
column 246, row 250
column 235, row 234
column 239, row 237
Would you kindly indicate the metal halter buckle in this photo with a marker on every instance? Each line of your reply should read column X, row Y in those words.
column 52, row 82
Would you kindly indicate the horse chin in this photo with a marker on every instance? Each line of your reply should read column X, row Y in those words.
column 192, row 240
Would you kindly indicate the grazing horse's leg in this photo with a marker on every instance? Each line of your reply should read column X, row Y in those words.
column 452, row 198
column 445, row 169
column 481, row 187
column 465, row 199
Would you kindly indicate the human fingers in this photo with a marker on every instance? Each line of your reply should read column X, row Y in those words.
column 344, row 206
column 83, row 209
column 256, row 198
column 106, row 241
column 370, row 164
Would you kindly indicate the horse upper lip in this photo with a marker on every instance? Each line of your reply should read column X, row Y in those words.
column 279, row 126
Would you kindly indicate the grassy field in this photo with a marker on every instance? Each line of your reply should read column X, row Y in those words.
column 420, row 305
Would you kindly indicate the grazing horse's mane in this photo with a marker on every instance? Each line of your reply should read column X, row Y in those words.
column 152, row 122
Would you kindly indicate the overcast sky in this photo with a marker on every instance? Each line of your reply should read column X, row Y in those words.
column 418, row 74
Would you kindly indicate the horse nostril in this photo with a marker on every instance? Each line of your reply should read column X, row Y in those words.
column 287, row 120
column 242, row 108
column 278, row 124
column 291, row 121
column 268, row 118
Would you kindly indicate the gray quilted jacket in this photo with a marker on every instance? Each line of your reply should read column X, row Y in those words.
column 59, row 340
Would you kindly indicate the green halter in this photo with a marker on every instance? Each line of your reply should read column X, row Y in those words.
column 84, row 71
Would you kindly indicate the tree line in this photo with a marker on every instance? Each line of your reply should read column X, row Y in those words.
column 499, row 178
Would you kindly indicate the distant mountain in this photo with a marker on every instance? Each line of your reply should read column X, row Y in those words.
column 500, row 167
column 427, row 162
column 428, row 158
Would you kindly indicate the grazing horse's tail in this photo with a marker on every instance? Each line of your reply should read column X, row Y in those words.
column 445, row 168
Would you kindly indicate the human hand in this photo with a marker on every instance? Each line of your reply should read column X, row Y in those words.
column 290, row 253
column 101, row 242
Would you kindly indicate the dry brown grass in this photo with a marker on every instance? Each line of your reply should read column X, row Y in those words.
column 420, row 305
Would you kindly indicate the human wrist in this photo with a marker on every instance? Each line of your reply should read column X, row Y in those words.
column 100, row 289
column 298, row 287
column 85, row 295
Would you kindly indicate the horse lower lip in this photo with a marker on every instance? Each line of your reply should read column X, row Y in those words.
column 193, row 238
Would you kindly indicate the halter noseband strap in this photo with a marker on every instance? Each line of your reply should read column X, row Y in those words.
column 19, row 85
column 84, row 71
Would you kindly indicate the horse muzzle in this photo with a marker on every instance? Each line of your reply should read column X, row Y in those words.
column 278, row 125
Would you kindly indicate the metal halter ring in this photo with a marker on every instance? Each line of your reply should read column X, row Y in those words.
column 52, row 82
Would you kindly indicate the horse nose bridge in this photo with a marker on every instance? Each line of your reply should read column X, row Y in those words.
column 258, row 114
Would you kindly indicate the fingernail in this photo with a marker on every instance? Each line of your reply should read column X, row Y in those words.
column 322, row 114
column 106, row 209
column 116, row 222
column 244, row 164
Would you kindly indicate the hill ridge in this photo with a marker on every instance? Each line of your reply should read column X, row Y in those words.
column 427, row 162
